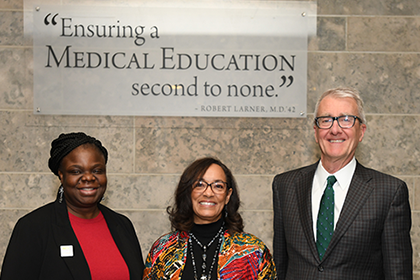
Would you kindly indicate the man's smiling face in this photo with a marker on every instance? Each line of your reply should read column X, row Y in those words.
column 338, row 145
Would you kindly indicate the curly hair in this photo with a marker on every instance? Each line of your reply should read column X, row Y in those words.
column 181, row 213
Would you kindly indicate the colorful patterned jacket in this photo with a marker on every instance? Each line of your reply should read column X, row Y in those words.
column 242, row 256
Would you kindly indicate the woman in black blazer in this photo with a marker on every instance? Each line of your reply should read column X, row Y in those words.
column 75, row 237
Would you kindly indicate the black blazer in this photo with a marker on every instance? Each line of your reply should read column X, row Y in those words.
column 372, row 235
column 34, row 248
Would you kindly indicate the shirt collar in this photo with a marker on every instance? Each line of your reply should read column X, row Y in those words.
column 343, row 176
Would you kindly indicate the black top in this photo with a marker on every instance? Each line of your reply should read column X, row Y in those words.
column 204, row 233
column 34, row 248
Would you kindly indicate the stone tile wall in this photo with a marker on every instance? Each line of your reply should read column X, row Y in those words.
column 371, row 45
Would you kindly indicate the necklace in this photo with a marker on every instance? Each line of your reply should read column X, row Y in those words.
column 204, row 256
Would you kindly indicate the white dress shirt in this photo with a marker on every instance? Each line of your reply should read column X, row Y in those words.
column 341, row 187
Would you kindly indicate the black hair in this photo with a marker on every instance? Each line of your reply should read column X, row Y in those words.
column 66, row 143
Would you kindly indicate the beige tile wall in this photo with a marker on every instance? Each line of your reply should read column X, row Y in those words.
column 371, row 45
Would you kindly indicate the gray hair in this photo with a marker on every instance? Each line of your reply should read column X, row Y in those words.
column 344, row 92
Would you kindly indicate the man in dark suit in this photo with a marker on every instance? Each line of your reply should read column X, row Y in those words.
column 337, row 219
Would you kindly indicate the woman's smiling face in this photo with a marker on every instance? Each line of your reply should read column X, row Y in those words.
column 207, row 205
column 83, row 175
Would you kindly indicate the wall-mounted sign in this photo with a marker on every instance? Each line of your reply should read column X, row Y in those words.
column 238, row 59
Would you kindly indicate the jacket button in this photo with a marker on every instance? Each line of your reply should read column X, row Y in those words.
column 320, row 268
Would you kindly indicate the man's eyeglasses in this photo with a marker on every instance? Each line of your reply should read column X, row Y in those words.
column 346, row 121
column 218, row 187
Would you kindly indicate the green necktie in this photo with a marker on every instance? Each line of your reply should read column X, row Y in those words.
column 325, row 222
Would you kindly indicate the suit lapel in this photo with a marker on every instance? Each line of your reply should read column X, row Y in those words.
column 120, row 238
column 304, row 193
column 64, row 235
column 359, row 191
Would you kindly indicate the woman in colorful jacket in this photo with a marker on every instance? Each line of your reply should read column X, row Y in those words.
column 208, row 241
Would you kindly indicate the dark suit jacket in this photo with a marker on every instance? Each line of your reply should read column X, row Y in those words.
column 371, row 239
column 34, row 247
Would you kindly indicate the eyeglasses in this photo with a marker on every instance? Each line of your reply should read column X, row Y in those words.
column 346, row 121
column 218, row 187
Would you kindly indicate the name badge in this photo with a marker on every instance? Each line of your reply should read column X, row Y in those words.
column 66, row 251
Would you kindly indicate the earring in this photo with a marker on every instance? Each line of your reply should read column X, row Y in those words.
column 226, row 212
column 60, row 194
